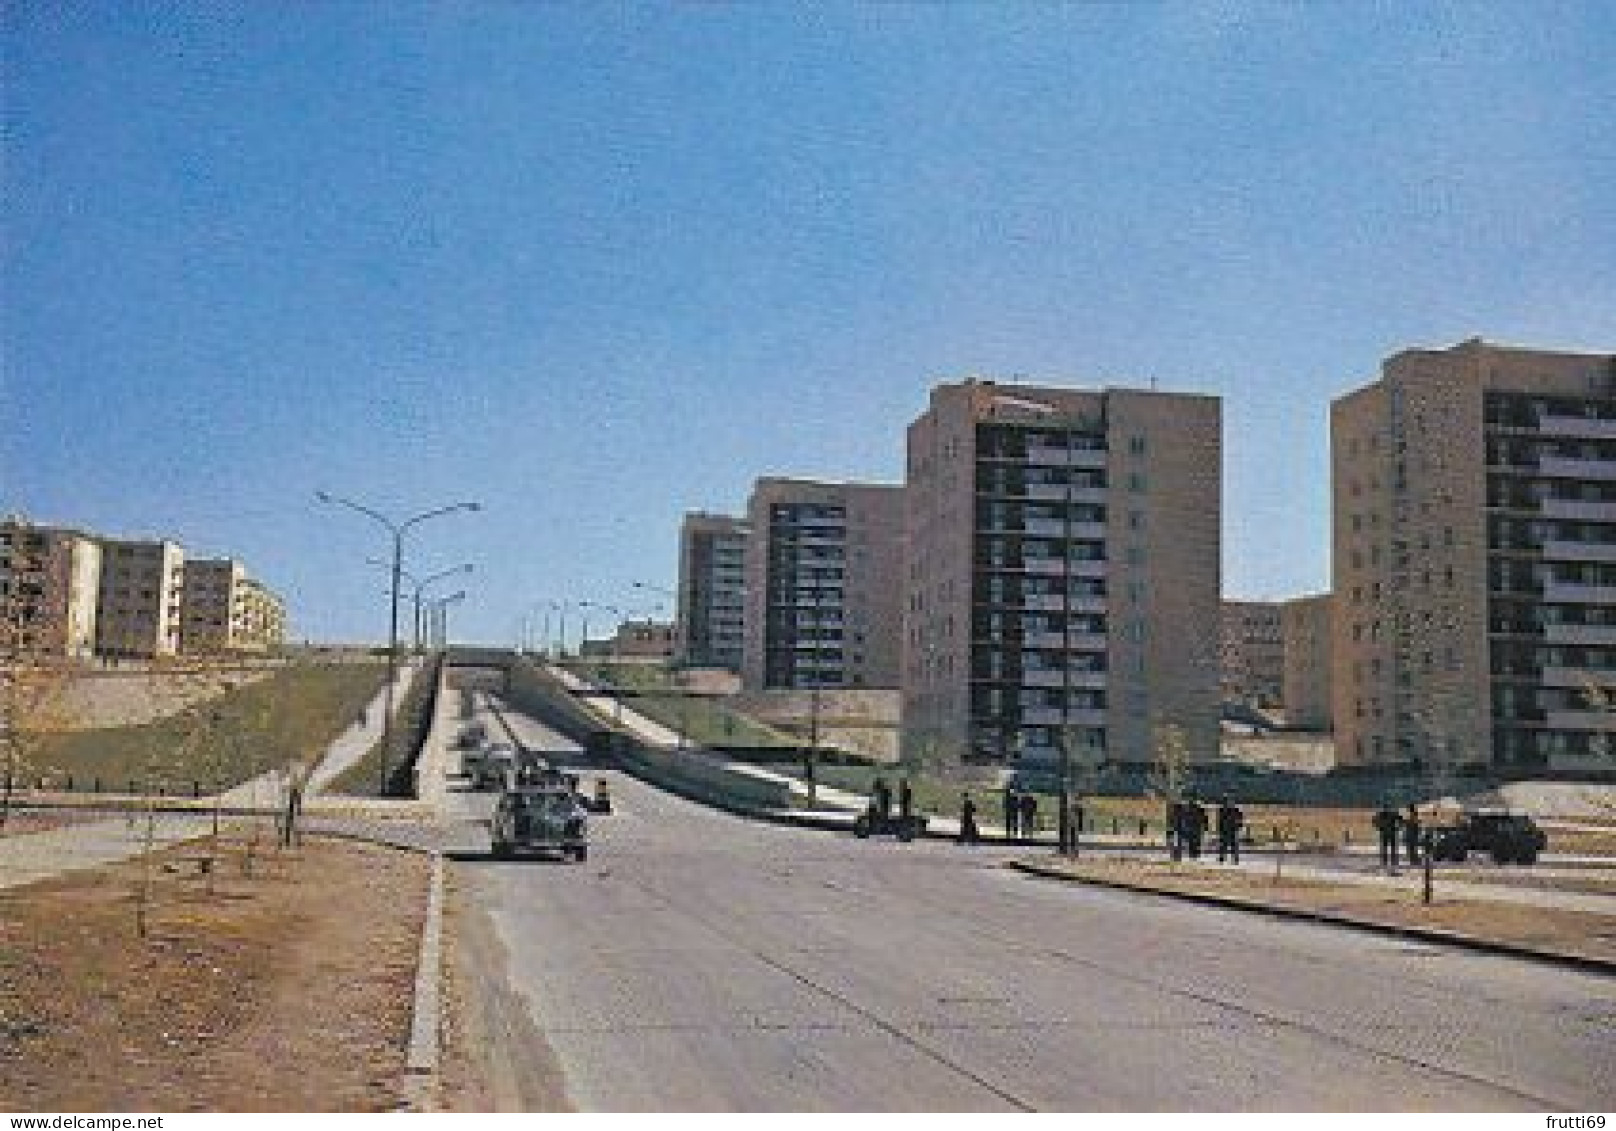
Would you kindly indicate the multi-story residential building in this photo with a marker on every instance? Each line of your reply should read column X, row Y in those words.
column 1252, row 652
column 1305, row 689
column 633, row 640
column 1063, row 573
column 224, row 610
column 141, row 595
column 823, row 576
column 712, row 585
column 49, row 585
column 1474, row 534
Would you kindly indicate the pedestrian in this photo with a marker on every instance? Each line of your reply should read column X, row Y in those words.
column 883, row 800
column 1386, row 822
column 968, row 833
column 1194, row 827
column 1175, row 830
column 1029, row 814
column 906, row 799
column 1012, row 812
column 1411, row 834
column 1230, row 820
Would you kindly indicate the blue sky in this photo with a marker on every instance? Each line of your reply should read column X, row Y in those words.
column 595, row 265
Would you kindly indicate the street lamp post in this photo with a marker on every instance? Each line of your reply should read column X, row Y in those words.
column 397, row 530
column 463, row 567
column 440, row 617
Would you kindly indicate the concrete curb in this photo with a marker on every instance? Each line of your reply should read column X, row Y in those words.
column 1583, row 962
column 426, row 1015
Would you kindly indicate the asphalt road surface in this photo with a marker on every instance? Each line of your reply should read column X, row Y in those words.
column 703, row 962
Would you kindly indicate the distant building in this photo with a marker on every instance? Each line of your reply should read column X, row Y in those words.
column 1063, row 572
column 141, row 598
column 823, row 572
column 1474, row 527
column 1305, row 626
column 709, row 625
column 1252, row 653
column 49, row 589
column 225, row 611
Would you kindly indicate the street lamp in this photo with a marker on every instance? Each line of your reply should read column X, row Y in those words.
column 397, row 530
column 437, row 618
column 464, row 567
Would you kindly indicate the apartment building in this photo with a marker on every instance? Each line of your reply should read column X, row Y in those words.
column 1252, row 652
column 1474, row 538
column 1305, row 630
column 225, row 611
column 712, row 585
column 1062, row 573
column 141, row 596
column 823, row 585
column 49, row 588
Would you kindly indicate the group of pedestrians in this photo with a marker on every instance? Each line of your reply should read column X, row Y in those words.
column 1187, row 824
column 1388, row 823
column 1020, row 813
column 881, row 800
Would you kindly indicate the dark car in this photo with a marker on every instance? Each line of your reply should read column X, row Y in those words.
column 1509, row 838
column 540, row 818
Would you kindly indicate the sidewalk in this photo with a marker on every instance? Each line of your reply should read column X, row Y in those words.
column 92, row 844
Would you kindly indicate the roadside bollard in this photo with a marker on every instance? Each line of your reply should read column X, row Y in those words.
column 70, row 783
column 196, row 789
column 1141, row 826
column 96, row 785
column 1115, row 825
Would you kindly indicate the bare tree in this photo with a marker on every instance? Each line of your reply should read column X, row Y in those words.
column 36, row 668
column 1171, row 775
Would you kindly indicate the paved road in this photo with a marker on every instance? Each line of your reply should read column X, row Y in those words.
column 699, row 961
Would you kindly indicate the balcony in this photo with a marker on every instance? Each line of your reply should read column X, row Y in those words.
column 1557, row 676
column 1562, row 467
column 1572, row 593
column 1580, row 427
column 1054, row 677
column 1593, row 635
column 1065, row 457
column 1057, row 492
column 1560, row 551
column 1578, row 510
column 1581, row 720
column 1053, row 716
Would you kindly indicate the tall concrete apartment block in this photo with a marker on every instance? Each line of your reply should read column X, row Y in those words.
column 49, row 581
column 1252, row 652
column 225, row 611
column 142, row 590
column 1474, row 536
column 708, row 628
column 1305, row 628
column 823, row 585
column 1063, row 572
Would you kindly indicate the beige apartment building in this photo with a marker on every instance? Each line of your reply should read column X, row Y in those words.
column 1305, row 630
column 225, row 611
column 1474, row 539
column 823, row 585
column 141, row 597
column 1063, row 573
column 709, row 623
column 49, row 588
column 1252, row 652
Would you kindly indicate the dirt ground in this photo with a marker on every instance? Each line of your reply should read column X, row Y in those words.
column 289, row 990
column 38, row 821
column 1548, row 927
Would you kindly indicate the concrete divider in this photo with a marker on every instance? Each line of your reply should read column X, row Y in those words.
column 706, row 777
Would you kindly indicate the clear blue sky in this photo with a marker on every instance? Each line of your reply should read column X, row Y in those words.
column 595, row 265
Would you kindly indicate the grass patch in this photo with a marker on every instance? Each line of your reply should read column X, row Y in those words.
column 288, row 718
column 410, row 727
column 703, row 718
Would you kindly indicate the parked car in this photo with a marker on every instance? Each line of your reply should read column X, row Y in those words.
column 1510, row 838
column 540, row 818
column 496, row 769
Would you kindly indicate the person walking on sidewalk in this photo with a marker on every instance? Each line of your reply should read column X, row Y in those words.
column 1012, row 812
column 1411, row 834
column 968, row 833
column 1029, row 815
column 1230, row 821
column 906, row 800
column 1386, row 822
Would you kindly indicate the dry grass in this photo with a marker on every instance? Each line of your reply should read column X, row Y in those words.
column 285, row 991
column 1552, row 928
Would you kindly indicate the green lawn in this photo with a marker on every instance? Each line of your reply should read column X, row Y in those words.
column 704, row 719
column 288, row 718
column 410, row 726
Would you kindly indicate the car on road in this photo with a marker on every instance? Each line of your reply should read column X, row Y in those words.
column 540, row 819
column 1509, row 838
column 496, row 769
